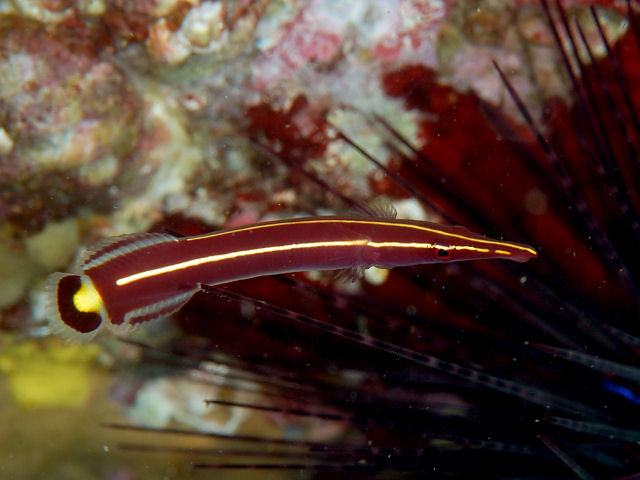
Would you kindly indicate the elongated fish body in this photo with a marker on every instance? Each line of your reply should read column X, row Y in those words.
column 137, row 278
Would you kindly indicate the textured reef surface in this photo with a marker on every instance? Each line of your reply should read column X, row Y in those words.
column 185, row 116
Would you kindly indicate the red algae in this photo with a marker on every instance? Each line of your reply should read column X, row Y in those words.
column 500, row 182
column 281, row 128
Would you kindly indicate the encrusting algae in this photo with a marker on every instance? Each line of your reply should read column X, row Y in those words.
column 49, row 373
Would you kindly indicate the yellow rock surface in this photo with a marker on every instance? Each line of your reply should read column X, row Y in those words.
column 44, row 374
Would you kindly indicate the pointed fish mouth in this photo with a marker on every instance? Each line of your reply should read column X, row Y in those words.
column 490, row 249
column 517, row 253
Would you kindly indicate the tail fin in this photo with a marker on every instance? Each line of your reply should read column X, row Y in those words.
column 68, row 318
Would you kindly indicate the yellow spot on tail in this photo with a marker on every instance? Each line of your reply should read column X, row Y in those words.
column 87, row 299
column 503, row 252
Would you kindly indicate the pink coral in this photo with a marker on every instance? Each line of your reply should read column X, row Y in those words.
column 322, row 30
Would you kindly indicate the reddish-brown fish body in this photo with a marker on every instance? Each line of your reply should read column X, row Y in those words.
column 137, row 278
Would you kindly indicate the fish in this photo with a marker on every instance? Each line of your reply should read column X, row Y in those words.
column 134, row 279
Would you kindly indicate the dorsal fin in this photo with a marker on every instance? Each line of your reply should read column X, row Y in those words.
column 379, row 207
column 114, row 246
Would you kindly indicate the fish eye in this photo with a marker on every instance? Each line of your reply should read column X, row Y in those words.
column 442, row 253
